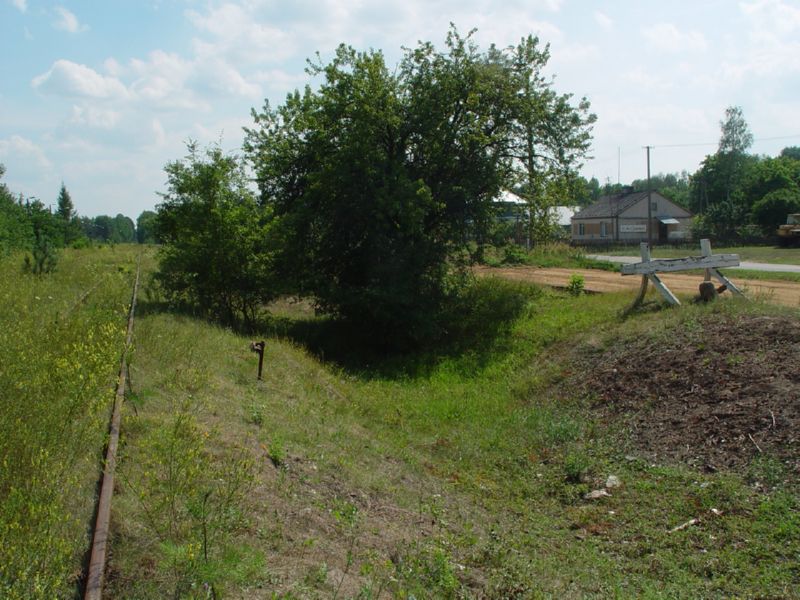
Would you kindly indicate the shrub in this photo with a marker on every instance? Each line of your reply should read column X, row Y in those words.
column 215, row 255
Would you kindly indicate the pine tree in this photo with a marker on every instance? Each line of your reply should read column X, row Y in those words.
column 68, row 216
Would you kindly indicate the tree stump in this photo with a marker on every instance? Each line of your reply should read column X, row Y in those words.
column 708, row 291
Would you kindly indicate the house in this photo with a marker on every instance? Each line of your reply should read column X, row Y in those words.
column 622, row 218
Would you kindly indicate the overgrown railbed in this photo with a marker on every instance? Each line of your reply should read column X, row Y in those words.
column 61, row 335
column 479, row 468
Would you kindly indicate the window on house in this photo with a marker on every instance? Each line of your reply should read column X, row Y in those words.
column 603, row 229
column 581, row 229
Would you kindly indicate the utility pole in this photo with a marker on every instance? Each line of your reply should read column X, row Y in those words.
column 649, row 204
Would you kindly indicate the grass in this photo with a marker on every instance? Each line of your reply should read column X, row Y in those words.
column 455, row 472
column 545, row 255
column 765, row 254
column 61, row 336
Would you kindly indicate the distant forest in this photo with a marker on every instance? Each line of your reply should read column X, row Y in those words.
column 28, row 222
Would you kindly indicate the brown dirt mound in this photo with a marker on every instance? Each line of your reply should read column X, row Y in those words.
column 714, row 394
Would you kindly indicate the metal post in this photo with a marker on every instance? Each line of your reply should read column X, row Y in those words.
column 258, row 347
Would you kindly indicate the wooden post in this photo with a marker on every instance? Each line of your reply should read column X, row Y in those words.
column 705, row 248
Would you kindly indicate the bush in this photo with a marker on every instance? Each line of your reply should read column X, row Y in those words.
column 215, row 255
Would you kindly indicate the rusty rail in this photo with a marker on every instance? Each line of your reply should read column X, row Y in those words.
column 97, row 559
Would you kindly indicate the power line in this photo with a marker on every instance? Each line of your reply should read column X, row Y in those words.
column 764, row 139
column 693, row 144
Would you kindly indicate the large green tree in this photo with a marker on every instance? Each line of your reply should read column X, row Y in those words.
column 381, row 179
column 720, row 176
column 146, row 227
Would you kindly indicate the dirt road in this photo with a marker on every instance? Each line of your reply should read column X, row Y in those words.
column 779, row 292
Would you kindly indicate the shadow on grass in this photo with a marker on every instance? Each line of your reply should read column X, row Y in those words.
column 474, row 330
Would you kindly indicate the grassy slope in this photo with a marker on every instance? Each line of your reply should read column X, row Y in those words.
column 438, row 476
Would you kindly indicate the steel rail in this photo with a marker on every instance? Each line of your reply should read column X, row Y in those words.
column 97, row 559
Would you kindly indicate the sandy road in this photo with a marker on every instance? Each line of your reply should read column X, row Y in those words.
column 779, row 292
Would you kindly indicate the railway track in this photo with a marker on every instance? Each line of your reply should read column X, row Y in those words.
column 93, row 589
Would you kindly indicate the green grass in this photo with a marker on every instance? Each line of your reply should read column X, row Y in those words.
column 61, row 338
column 459, row 471
column 765, row 254
column 546, row 255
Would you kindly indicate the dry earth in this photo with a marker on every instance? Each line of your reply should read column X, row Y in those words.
column 715, row 393
column 780, row 292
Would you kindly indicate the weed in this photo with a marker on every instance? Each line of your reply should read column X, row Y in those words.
column 576, row 467
column 276, row 452
column 256, row 414
column 576, row 285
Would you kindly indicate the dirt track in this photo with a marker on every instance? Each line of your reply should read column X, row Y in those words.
column 779, row 292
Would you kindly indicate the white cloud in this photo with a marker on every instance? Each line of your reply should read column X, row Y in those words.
column 23, row 150
column 239, row 35
column 22, row 5
column 162, row 81
column 72, row 79
column 772, row 16
column 112, row 67
column 666, row 37
column 91, row 116
column 648, row 80
column 769, row 49
column 67, row 21
column 605, row 22
column 159, row 135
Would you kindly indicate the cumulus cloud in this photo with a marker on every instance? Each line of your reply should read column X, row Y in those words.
column 67, row 21
column 666, row 37
column 237, row 34
column 603, row 20
column 769, row 48
column 99, row 118
column 162, row 81
column 23, row 149
column 72, row 79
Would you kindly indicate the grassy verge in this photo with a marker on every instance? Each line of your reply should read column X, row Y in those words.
column 462, row 472
column 61, row 336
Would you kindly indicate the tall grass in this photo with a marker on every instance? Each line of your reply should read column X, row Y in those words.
column 61, row 335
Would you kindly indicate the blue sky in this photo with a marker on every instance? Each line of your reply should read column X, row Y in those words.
column 101, row 95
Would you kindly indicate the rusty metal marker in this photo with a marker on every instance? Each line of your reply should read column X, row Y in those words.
column 97, row 559
column 258, row 347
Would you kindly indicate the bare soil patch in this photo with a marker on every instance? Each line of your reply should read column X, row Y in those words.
column 786, row 293
column 713, row 394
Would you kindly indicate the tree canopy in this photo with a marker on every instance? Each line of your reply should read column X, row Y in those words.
column 380, row 180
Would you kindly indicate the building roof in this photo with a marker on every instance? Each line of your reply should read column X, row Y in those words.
column 614, row 205
column 610, row 206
